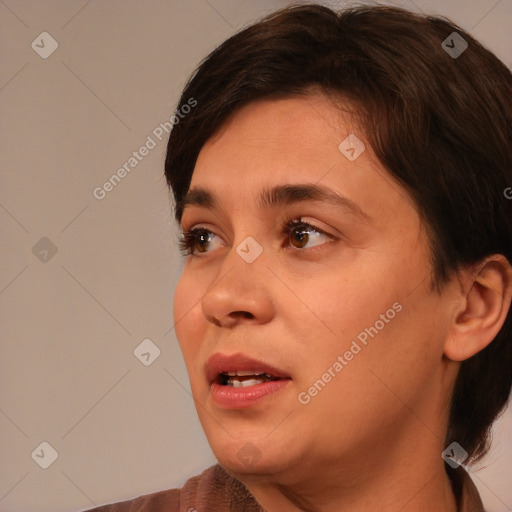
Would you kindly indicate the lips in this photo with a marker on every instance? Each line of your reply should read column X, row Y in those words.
column 239, row 382
column 221, row 367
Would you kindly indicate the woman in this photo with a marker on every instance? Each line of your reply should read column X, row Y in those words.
column 344, row 309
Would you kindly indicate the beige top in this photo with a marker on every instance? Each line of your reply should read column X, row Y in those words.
column 215, row 491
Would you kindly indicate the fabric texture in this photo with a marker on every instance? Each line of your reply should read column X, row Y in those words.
column 215, row 491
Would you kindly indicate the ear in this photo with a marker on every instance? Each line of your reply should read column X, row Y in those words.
column 484, row 302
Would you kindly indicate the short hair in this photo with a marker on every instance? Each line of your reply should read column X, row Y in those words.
column 440, row 123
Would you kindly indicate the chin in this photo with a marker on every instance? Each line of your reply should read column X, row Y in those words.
column 246, row 457
column 255, row 468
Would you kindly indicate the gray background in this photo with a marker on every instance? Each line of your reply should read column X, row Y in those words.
column 72, row 319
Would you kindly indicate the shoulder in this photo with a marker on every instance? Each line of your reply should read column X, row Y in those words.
column 168, row 501
column 213, row 489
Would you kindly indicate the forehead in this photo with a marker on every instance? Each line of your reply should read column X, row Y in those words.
column 279, row 135
column 272, row 143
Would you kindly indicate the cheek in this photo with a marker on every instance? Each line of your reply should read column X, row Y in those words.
column 187, row 313
column 374, row 315
column 402, row 358
column 372, row 385
column 347, row 306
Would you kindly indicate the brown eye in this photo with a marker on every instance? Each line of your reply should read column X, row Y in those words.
column 301, row 233
column 196, row 241
column 202, row 240
column 299, row 237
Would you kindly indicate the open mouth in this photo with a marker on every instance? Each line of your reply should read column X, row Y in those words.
column 238, row 381
column 244, row 378
column 240, row 371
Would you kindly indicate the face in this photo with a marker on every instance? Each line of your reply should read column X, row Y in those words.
column 309, row 274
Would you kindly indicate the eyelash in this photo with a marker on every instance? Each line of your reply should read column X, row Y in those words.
column 189, row 237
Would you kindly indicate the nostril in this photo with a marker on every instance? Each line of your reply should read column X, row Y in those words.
column 231, row 319
column 213, row 320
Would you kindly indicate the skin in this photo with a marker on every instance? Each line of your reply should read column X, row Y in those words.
column 372, row 438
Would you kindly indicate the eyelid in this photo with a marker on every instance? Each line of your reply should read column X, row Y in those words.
column 297, row 221
column 286, row 227
column 294, row 222
column 188, row 236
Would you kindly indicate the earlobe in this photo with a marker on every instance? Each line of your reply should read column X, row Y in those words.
column 485, row 298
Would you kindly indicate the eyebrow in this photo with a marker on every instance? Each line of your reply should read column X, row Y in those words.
column 281, row 195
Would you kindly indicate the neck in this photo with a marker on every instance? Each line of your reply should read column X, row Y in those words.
column 409, row 476
column 411, row 491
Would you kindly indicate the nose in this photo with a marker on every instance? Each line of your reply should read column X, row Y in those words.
column 240, row 293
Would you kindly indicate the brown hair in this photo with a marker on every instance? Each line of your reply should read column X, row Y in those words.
column 440, row 124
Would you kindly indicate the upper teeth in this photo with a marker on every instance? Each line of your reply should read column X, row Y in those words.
column 243, row 373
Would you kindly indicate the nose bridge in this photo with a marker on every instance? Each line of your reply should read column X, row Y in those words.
column 240, row 290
